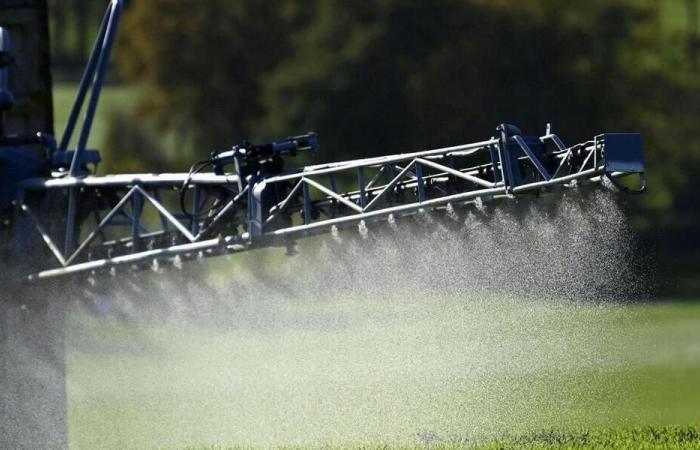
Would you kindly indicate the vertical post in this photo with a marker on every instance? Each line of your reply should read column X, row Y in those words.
column 136, row 210
column 509, row 158
column 595, row 151
column 362, row 185
column 255, row 209
column 334, row 188
column 420, row 183
column 496, row 164
column 307, row 203
column 70, row 221
column 451, row 165
column 196, row 199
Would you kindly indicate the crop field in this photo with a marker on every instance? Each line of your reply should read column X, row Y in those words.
column 448, row 372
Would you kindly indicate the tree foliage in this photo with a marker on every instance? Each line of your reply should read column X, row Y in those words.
column 202, row 62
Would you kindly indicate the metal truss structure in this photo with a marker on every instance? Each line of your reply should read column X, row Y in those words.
column 108, row 221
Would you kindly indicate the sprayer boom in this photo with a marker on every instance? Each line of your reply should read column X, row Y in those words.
column 146, row 220
column 61, row 219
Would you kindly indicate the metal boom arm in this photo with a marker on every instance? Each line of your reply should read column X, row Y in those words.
column 230, row 213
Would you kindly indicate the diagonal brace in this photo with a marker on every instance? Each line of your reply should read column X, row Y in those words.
column 456, row 173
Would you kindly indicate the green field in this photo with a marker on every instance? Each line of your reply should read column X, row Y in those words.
column 399, row 372
column 632, row 439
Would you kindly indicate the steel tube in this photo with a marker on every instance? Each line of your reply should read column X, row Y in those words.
column 387, row 211
column 332, row 194
column 338, row 167
column 128, row 180
column 128, row 259
column 457, row 173
column 585, row 174
column 44, row 234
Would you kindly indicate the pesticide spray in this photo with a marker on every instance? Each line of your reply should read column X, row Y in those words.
column 444, row 327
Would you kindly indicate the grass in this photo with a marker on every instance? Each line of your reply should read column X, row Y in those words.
column 406, row 374
column 666, row 438
column 635, row 438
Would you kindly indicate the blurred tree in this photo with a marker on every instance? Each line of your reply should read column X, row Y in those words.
column 131, row 145
column 439, row 72
column 82, row 15
column 203, row 62
column 74, row 24
column 693, row 42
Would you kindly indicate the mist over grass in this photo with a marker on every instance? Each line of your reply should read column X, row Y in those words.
column 442, row 327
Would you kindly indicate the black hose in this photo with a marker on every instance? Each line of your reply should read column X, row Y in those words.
column 195, row 169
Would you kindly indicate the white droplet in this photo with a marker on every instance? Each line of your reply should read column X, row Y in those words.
column 392, row 222
column 362, row 227
column 479, row 203
column 451, row 213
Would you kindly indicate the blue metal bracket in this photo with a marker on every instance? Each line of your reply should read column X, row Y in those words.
column 624, row 152
column 534, row 158
column 511, row 147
